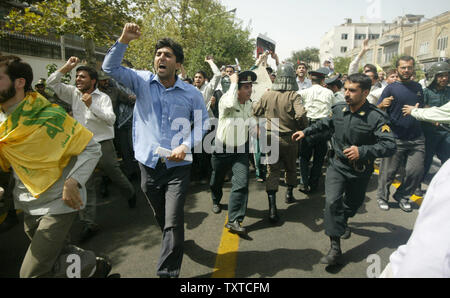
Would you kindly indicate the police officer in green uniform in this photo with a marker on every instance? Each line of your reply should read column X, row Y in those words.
column 232, row 149
column 361, row 133
column 437, row 138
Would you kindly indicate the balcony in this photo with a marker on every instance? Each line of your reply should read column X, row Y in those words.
column 388, row 40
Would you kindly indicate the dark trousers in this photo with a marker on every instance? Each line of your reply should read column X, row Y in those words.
column 318, row 151
column 166, row 190
column 344, row 196
column 239, row 163
column 435, row 144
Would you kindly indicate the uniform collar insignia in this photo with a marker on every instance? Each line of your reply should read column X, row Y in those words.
column 344, row 109
column 362, row 113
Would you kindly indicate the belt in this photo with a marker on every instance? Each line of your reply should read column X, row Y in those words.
column 359, row 167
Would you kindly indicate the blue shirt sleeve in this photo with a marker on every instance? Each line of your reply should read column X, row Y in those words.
column 386, row 93
column 128, row 77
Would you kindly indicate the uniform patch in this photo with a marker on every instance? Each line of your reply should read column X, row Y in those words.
column 385, row 128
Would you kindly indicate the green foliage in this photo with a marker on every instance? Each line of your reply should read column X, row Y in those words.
column 51, row 68
column 201, row 27
column 341, row 64
column 307, row 55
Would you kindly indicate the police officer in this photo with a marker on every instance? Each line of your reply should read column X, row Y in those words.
column 335, row 85
column 317, row 101
column 232, row 148
column 437, row 138
column 361, row 134
column 282, row 103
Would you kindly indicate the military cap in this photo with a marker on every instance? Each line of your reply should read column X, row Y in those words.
column 321, row 72
column 335, row 80
column 247, row 77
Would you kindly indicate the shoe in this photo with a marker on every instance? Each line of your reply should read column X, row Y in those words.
column 235, row 227
column 289, row 199
column 88, row 232
column 305, row 189
column 216, row 208
column 405, row 205
column 132, row 201
column 383, row 205
column 332, row 258
column 347, row 233
column 260, row 180
column 273, row 213
column 102, row 269
column 419, row 192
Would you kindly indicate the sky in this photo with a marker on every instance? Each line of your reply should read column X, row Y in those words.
column 297, row 24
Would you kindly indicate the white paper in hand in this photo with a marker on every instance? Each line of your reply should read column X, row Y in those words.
column 163, row 152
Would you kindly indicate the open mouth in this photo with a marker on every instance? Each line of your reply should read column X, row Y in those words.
column 162, row 67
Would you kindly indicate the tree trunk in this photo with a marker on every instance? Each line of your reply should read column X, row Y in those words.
column 89, row 46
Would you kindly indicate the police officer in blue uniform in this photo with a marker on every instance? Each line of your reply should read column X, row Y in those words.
column 361, row 133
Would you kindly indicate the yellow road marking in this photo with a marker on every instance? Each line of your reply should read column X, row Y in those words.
column 396, row 184
column 226, row 259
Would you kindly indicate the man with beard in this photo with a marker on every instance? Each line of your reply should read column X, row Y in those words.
column 93, row 109
column 361, row 134
column 409, row 138
column 302, row 80
column 51, row 157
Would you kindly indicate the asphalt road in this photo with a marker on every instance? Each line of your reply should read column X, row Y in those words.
column 290, row 249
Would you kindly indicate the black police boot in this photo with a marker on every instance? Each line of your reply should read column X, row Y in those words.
column 289, row 196
column 334, row 254
column 273, row 216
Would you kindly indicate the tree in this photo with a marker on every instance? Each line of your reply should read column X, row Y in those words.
column 201, row 27
column 96, row 21
column 308, row 55
column 341, row 64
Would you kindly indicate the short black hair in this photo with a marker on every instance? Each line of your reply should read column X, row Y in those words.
column 405, row 58
column 372, row 68
column 230, row 66
column 17, row 69
column 304, row 64
column 364, row 82
column 93, row 74
column 202, row 73
column 176, row 48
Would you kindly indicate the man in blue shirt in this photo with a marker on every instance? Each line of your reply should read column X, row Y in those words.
column 408, row 136
column 164, row 110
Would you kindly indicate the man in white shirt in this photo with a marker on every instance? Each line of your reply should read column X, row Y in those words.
column 302, row 80
column 94, row 110
column 317, row 101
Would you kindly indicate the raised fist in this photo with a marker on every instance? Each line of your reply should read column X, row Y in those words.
column 131, row 31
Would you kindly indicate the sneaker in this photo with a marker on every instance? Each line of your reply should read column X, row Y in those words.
column 405, row 205
column 419, row 192
column 383, row 205
column 216, row 209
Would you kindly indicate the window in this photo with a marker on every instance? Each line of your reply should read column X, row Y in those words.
column 344, row 36
column 442, row 43
column 423, row 49
column 360, row 36
column 343, row 49
column 374, row 36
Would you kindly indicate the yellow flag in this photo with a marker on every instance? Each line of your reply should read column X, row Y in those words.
column 38, row 140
